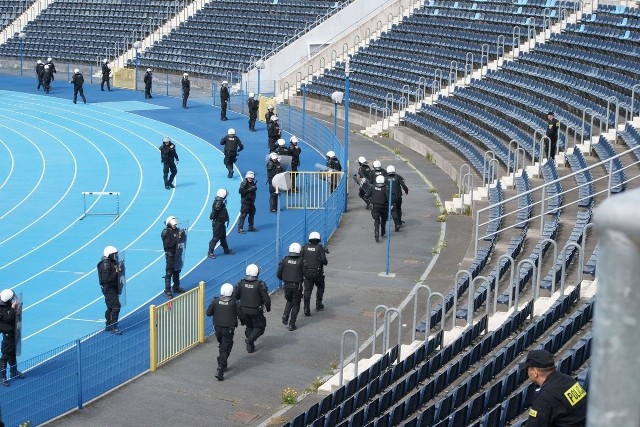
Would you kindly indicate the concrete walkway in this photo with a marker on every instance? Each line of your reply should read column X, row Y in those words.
column 184, row 391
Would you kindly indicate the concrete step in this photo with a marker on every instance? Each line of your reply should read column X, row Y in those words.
column 333, row 383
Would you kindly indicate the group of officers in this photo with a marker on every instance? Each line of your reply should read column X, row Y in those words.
column 300, row 271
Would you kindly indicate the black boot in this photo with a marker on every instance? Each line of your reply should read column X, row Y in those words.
column 3, row 373
column 376, row 234
column 15, row 373
column 319, row 306
column 250, row 346
column 220, row 374
column 292, row 326
column 307, row 311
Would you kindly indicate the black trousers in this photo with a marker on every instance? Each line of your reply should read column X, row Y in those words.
column 249, row 210
column 380, row 216
column 310, row 280
column 229, row 159
column 185, row 96
column 170, row 273
column 112, row 301
column 293, row 295
column 169, row 166
column 252, row 120
column 8, row 354
column 273, row 198
column 396, row 212
column 223, row 109
column 147, row 91
column 105, row 79
column 40, row 82
column 255, row 324
column 79, row 90
column 219, row 235
column 554, row 144
column 225, row 344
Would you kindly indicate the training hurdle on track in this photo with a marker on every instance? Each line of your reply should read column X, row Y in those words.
column 86, row 213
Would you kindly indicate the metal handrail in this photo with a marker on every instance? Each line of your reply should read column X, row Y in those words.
column 357, row 346
column 533, row 282
column 564, row 263
column 387, row 325
column 415, row 291
column 555, row 257
column 455, row 295
column 375, row 327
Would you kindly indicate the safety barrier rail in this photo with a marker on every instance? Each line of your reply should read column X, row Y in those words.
column 311, row 190
column 176, row 326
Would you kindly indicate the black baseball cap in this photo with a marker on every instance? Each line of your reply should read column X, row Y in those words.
column 550, row 113
column 538, row 359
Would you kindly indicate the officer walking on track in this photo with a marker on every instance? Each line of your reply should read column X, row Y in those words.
column 273, row 168
column 77, row 80
column 232, row 146
column 225, row 312
column 364, row 172
column 148, row 81
column 168, row 157
column 171, row 236
column 106, row 74
column 253, row 106
column 294, row 152
column 377, row 171
column 248, row 189
column 396, row 198
column 270, row 113
column 254, row 298
column 8, row 311
column 553, row 125
column 47, row 76
column 334, row 165
column 561, row 400
column 274, row 133
column 52, row 68
column 186, row 88
column 108, row 269
column 290, row 272
column 39, row 73
column 378, row 194
column 314, row 259
column 219, row 217
column 224, row 100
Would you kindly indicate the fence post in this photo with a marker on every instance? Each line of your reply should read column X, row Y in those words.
column 79, row 374
column 153, row 362
column 201, row 312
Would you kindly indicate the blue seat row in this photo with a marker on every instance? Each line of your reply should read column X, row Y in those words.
column 553, row 192
column 631, row 137
column 614, row 168
column 584, row 179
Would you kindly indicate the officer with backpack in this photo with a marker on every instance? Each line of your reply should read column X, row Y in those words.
column 254, row 299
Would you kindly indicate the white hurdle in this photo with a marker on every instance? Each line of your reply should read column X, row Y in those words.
column 86, row 213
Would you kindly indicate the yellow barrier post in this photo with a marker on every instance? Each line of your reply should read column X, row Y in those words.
column 153, row 338
column 265, row 102
column 201, row 319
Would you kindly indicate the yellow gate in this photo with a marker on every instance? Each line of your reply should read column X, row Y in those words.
column 124, row 78
column 265, row 101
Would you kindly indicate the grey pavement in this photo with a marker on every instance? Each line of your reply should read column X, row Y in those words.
column 184, row 391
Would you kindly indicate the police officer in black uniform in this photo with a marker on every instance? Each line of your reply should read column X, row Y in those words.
column 52, row 68
column 273, row 168
column 168, row 158
column 254, row 298
column 396, row 198
column 8, row 310
column 78, row 80
column 186, row 88
column 378, row 194
column 253, row 105
column 224, row 100
column 106, row 75
column 39, row 72
column 225, row 312
column 364, row 173
column 294, row 152
column 108, row 269
column 148, row 81
column 269, row 114
column 47, row 76
column 377, row 171
column 553, row 125
column 281, row 148
column 561, row 401
column 247, row 190
column 314, row 259
column 274, row 132
column 171, row 236
column 232, row 146
column 334, row 165
column 290, row 272
column 219, row 217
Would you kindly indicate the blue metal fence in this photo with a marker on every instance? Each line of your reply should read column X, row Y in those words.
column 69, row 376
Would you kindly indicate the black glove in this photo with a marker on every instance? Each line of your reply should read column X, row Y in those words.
column 268, row 309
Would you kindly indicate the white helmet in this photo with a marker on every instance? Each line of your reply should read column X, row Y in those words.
column 6, row 295
column 224, row 82
column 168, row 220
column 76, row 71
column 391, row 169
column 314, row 235
column 46, row 67
column 231, row 131
column 105, row 60
column 377, row 164
column 361, row 160
column 185, row 75
column 251, row 95
column 281, row 142
column 166, row 139
column 331, row 154
column 148, row 70
column 379, row 179
column 270, row 107
column 39, row 62
column 250, row 174
column 293, row 140
column 109, row 250
column 274, row 118
column 226, row 290
column 273, row 156
column 295, row 248
column 173, row 221
column 222, row 193
column 252, row 270
column 49, row 59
